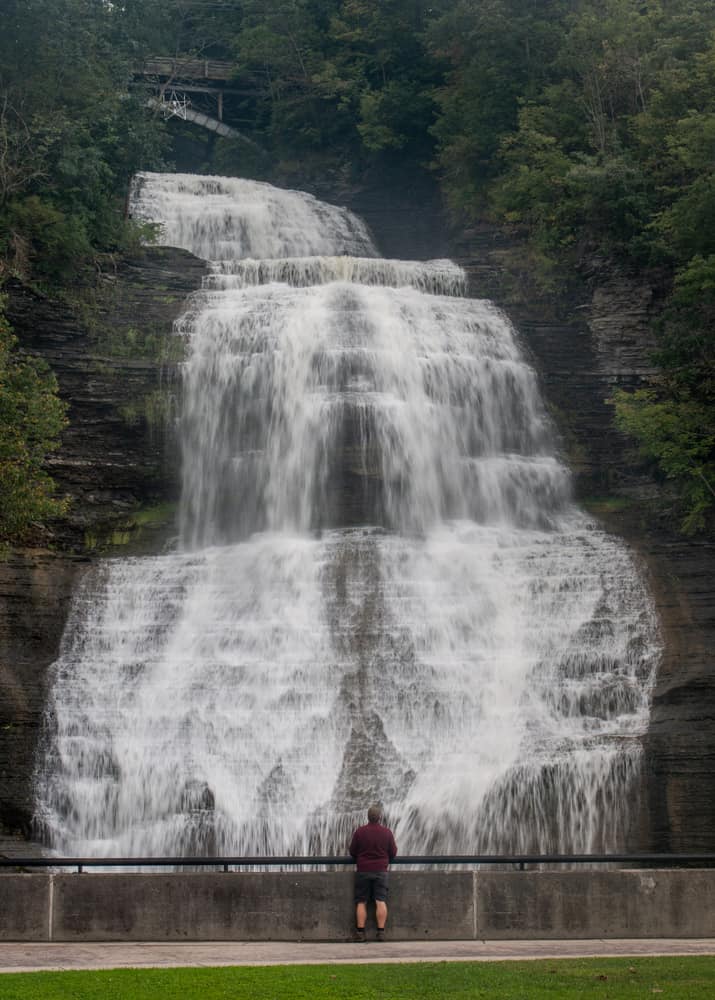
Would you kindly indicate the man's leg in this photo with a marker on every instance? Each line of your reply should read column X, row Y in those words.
column 381, row 889
column 360, row 900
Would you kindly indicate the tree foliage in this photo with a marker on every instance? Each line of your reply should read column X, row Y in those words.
column 31, row 419
column 591, row 125
column 678, row 433
column 71, row 134
column 588, row 124
column 344, row 79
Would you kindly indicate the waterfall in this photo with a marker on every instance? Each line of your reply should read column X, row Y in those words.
column 382, row 589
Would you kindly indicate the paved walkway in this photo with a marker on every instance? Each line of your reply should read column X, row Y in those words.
column 34, row 957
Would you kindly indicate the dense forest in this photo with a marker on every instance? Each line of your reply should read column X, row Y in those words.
column 587, row 126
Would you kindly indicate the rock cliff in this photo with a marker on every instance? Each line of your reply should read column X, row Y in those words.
column 118, row 467
column 112, row 357
column 584, row 345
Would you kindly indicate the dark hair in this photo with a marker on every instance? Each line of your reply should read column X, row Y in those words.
column 374, row 814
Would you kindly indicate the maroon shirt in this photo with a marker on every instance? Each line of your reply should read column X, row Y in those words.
column 373, row 848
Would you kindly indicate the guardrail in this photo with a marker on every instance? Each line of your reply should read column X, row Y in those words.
column 187, row 68
column 520, row 861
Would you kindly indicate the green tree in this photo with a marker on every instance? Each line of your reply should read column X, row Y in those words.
column 71, row 134
column 342, row 80
column 31, row 419
column 591, row 127
column 499, row 54
column 380, row 50
column 679, row 434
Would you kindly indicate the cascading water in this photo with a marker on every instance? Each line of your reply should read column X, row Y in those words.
column 382, row 589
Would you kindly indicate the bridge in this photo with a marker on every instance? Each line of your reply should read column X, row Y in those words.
column 188, row 68
column 174, row 79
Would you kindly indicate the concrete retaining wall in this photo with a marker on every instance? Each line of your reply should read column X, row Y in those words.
column 318, row 906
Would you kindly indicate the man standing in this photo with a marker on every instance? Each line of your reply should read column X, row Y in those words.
column 373, row 847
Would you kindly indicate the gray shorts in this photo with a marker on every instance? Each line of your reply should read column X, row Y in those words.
column 371, row 886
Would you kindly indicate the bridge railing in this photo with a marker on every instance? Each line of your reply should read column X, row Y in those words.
column 187, row 68
column 518, row 861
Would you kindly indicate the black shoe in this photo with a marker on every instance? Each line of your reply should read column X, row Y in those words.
column 380, row 936
column 360, row 934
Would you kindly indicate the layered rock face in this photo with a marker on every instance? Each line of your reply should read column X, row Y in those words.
column 584, row 347
column 116, row 465
column 113, row 359
column 116, row 461
column 679, row 794
column 35, row 591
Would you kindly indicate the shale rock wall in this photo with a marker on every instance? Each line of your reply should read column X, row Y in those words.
column 584, row 345
column 118, row 466
column 35, row 590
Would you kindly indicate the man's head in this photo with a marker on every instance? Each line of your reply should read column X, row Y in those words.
column 374, row 814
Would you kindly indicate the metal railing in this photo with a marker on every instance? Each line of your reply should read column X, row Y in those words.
column 519, row 861
column 187, row 68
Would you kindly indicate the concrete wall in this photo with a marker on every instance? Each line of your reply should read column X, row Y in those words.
column 318, row 906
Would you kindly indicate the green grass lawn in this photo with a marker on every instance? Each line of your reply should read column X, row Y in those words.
column 685, row 978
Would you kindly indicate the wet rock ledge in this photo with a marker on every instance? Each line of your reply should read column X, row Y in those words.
column 118, row 467
column 113, row 356
column 585, row 344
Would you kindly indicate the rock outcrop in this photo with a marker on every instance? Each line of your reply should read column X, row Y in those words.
column 35, row 590
column 116, row 465
column 113, row 357
column 116, row 462
column 590, row 342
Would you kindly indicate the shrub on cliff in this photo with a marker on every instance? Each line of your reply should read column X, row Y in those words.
column 674, row 421
column 31, row 418
column 678, row 434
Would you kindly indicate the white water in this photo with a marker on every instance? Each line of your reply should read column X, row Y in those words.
column 382, row 589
